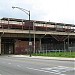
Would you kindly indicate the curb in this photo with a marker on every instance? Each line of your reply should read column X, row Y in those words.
column 48, row 58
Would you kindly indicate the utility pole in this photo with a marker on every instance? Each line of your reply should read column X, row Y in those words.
column 28, row 13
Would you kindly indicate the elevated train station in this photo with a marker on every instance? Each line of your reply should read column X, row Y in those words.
column 16, row 35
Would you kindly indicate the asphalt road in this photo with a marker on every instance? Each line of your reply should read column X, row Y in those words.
column 33, row 66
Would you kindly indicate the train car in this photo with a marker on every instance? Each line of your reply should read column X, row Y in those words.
column 28, row 25
column 67, row 28
column 40, row 26
column 48, row 26
column 59, row 27
column 74, row 28
column 16, row 24
column 51, row 26
column 5, row 24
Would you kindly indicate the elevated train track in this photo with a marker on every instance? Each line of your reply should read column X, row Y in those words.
column 43, row 34
column 14, row 31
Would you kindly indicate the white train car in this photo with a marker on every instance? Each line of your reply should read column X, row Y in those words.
column 60, row 27
column 72, row 29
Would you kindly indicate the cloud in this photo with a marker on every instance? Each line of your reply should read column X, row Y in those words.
column 54, row 10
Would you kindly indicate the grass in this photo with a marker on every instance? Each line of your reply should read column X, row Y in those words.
column 56, row 54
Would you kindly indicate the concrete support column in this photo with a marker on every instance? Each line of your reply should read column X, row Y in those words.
column 68, row 42
column 40, row 44
column 0, row 45
column 34, row 43
column 64, row 45
column 34, row 36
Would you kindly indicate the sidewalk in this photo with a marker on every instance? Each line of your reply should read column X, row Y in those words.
column 42, row 57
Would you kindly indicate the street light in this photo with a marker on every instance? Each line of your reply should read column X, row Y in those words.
column 28, row 13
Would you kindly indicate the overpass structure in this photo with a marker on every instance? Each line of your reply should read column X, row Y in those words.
column 14, row 36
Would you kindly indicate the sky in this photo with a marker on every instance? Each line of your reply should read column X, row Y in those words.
column 60, row 11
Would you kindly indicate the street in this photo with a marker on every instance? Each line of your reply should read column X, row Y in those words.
column 30, row 66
